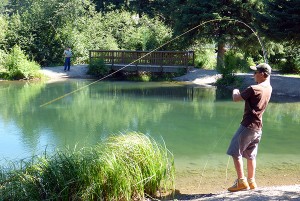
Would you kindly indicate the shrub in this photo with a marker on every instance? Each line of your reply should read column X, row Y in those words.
column 205, row 58
column 18, row 66
column 234, row 62
column 291, row 65
column 123, row 167
column 98, row 68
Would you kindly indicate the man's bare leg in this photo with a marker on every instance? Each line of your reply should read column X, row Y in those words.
column 251, row 166
column 238, row 164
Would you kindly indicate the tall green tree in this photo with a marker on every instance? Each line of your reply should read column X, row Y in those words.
column 188, row 14
column 43, row 28
column 109, row 5
column 281, row 20
column 152, row 8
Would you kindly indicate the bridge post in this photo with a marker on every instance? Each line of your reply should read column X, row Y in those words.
column 113, row 59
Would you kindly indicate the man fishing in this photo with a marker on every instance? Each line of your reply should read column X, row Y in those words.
column 245, row 141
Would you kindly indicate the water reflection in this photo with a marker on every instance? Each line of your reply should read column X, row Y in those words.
column 193, row 121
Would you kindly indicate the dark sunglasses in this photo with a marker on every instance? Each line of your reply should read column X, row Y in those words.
column 256, row 72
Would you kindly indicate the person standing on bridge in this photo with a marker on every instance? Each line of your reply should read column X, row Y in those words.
column 68, row 55
column 245, row 141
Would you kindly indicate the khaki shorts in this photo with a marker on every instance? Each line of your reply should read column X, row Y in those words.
column 244, row 143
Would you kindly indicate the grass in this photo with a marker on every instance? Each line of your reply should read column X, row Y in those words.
column 123, row 167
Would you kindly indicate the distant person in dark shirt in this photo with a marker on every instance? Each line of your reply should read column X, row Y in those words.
column 245, row 141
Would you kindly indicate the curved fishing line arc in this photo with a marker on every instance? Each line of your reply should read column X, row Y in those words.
column 218, row 140
column 175, row 38
column 201, row 24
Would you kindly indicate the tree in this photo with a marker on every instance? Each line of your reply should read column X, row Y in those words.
column 281, row 20
column 151, row 8
column 43, row 28
column 189, row 14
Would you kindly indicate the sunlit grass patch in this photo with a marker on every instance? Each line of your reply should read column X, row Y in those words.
column 123, row 167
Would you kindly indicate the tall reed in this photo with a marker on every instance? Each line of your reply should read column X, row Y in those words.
column 123, row 167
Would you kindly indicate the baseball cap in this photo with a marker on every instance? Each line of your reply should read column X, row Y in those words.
column 263, row 67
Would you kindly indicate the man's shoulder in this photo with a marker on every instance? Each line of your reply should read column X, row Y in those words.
column 261, row 86
column 262, row 89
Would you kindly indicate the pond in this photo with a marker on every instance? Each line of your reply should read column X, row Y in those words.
column 194, row 122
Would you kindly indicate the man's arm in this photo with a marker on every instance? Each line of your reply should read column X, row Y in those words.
column 236, row 95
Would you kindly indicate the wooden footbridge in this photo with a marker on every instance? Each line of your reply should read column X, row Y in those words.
column 158, row 61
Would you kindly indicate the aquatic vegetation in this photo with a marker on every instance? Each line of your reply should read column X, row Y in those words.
column 123, row 167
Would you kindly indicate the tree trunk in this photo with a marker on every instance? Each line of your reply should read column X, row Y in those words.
column 220, row 56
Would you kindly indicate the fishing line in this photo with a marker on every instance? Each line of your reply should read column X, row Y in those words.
column 213, row 148
column 56, row 32
column 61, row 10
column 226, row 172
column 175, row 38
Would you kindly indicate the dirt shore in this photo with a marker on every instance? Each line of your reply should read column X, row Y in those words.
column 284, row 89
column 291, row 192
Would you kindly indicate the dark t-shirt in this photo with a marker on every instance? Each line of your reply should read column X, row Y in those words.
column 256, row 99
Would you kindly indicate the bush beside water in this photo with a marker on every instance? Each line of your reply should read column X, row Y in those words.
column 124, row 167
column 15, row 65
column 98, row 68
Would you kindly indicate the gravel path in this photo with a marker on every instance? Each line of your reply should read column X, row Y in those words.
column 57, row 73
column 286, row 88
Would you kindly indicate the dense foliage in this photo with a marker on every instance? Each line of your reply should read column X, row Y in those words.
column 280, row 22
column 43, row 28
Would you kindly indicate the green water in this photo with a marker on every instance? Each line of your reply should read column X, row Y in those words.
column 195, row 123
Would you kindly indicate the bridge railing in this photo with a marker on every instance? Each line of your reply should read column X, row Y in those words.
column 146, row 59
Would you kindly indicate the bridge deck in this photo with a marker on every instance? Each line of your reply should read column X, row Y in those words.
column 158, row 61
